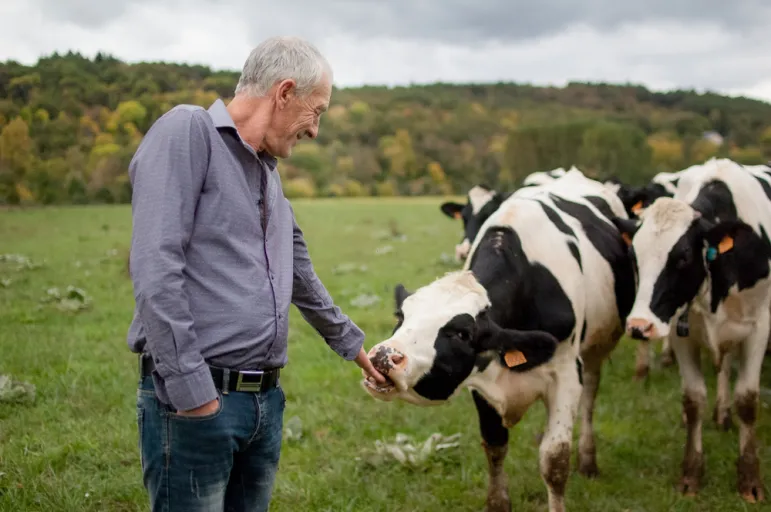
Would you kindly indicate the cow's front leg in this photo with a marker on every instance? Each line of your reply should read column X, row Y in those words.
column 495, row 440
column 562, row 405
column 749, row 482
column 694, row 399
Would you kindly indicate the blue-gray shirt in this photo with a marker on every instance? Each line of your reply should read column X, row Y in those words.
column 211, row 284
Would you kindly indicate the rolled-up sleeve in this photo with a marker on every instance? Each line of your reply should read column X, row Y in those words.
column 167, row 174
column 316, row 306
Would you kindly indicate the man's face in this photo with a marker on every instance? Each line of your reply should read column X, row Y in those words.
column 295, row 116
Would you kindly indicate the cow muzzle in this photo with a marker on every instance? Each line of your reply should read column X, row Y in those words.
column 641, row 329
column 388, row 361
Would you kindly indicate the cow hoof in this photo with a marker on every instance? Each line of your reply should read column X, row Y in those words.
column 589, row 469
column 689, row 486
column 498, row 503
column 754, row 494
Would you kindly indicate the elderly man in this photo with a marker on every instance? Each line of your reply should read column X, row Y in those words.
column 216, row 260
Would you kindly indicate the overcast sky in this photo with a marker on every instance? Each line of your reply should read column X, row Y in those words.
column 722, row 46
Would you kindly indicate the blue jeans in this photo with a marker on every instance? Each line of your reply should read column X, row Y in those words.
column 222, row 462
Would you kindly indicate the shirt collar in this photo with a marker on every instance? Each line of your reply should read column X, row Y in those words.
column 221, row 119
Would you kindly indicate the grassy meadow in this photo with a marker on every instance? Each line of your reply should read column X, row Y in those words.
column 75, row 447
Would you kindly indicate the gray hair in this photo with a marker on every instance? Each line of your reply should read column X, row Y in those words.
column 282, row 58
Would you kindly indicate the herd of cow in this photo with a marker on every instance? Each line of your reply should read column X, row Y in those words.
column 556, row 272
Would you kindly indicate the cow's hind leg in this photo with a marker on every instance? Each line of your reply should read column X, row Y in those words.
column 587, row 451
column 562, row 406
column 495, row 440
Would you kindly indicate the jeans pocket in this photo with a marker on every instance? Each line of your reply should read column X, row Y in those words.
column 220, row 405
column 283, row 397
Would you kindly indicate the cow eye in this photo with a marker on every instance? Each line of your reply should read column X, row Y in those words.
column 463, row 335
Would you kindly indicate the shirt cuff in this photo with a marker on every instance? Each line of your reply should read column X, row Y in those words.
column 190, row 390
column 349, row 344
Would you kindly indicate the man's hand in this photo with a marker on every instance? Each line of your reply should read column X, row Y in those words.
column 364, row 363
column 204, row 410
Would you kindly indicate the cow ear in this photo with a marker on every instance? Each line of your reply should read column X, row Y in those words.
column 452, row 210
column 400, row 293
column 627, row 227
column 721, row 238
column 520, row 350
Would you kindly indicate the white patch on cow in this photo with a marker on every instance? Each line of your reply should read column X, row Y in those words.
column 479, row 197
column 663, row 224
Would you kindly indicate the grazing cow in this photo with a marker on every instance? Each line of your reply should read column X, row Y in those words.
column 706, row 251
column 537, row 308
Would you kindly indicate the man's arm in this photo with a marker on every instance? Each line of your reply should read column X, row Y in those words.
column 167, row 173
column 316, row 305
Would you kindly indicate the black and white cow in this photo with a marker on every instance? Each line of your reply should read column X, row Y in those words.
column 636, row 199
column 481, row 202
column 537, row 308
column 706, row 251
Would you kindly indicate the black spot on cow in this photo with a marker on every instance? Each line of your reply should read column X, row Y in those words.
column 611, row 246
column 715, row 202
column 765, row 185
column 560, row 224
column 602, row 205
column 526, row 294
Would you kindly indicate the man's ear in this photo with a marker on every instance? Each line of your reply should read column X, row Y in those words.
column 627, row 227
column 284, row 92
column 519, row 350
column 452, row 210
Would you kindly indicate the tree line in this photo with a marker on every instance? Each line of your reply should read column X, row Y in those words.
column 69, row 126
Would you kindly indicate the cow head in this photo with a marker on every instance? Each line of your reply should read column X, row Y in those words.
column 442, row 334
column 481, row 203
column 637, row 199
column 674, row 248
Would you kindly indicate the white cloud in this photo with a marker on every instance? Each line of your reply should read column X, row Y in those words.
column 659, row 54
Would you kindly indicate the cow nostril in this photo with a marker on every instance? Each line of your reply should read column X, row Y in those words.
column 397, row 359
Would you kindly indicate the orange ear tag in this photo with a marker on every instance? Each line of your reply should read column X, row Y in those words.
column 637, row 207
column 626, row 238
column 456, row 215
column 514, row 358
column 726, row 244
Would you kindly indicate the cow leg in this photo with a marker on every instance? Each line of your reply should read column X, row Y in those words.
column 562, row 406
column 746, row 396
column 642, row 364
column 694, row 399
column 587, row 451
column 495, row 440
column 722, row 412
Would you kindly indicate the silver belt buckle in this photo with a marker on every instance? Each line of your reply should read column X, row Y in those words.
column 249, row 387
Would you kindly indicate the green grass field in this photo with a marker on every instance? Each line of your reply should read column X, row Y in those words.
column 75, row 448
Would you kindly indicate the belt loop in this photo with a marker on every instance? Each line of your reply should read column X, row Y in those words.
column 225, row 381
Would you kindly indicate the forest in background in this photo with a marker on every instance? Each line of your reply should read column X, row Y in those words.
column 69, row 126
